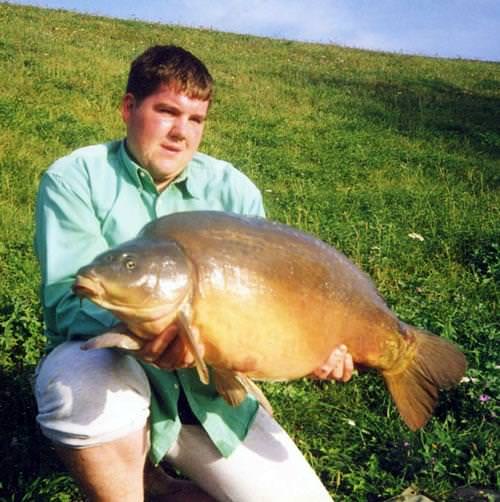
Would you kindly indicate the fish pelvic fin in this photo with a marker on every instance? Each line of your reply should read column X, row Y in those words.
column 229, row 386
column 434, row 363
column 256, row 391
column 234, row 387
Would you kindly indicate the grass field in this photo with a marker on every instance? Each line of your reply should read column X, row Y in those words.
column 393, row 159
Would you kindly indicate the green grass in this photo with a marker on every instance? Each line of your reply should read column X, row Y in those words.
column 360, row 148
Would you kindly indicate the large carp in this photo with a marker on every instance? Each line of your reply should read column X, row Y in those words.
column 261, row 300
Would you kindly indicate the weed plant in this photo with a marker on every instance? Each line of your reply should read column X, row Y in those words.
column 392, row 159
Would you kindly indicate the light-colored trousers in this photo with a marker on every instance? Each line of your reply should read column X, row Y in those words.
column 86, row 398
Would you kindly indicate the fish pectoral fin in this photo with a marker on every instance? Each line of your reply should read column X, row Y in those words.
column 229, row 386
column 114, row 340
column 252, row 388
column 192, row 338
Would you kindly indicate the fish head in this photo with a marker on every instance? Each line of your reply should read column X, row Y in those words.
column 140, row 280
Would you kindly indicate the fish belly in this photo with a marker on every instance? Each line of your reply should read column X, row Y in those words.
column 265, row 337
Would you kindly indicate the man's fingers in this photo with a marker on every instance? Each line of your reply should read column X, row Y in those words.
column 348, row 367
column 334, row 366
column 167, row 350
column 155, row 347
column 177, row 356
column 338, row 366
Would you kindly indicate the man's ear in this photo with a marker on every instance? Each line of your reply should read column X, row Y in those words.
column 128, row 103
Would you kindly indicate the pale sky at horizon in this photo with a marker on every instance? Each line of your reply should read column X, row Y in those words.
column 468, row 29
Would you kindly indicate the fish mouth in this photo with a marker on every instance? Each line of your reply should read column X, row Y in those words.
column 87, row 287
column 90, row 287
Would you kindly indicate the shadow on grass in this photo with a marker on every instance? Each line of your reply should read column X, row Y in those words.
column 435, row 107
column 29, row 468
column 427, row 108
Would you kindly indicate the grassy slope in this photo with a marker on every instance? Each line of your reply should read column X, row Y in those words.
column 360, row 148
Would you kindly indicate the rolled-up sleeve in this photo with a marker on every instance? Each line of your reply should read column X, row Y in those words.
column 68, row 236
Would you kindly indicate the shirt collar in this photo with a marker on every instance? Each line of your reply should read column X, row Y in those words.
column 143, row 180
column 186, row 180
column 139, row 176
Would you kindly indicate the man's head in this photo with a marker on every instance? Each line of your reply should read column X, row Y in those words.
column 173, row 67
column 165, row 106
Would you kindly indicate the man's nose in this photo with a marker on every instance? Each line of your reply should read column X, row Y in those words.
column 178, row 129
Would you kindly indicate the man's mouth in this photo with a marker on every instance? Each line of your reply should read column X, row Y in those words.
column 172, row 148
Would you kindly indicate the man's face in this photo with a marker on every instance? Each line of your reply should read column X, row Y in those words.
column 164, row 131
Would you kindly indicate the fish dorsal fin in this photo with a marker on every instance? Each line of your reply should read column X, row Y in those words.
column 192, row 338
column 234, row 387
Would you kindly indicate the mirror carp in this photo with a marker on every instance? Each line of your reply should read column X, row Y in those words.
column 261, row 300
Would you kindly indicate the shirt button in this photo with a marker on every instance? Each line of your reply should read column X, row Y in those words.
column 176, row 385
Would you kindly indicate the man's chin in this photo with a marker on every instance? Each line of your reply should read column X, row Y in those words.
column 166, row 172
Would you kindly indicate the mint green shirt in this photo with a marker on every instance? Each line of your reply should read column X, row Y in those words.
column 98, row 197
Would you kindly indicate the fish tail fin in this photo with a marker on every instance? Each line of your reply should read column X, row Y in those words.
column 433, row 363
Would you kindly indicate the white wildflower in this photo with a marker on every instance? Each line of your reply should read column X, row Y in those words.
column 414, row 235
column 469, row 380
column 352, row 423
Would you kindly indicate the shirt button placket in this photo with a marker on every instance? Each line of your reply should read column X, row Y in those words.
column 164, row 201
column 159, row 204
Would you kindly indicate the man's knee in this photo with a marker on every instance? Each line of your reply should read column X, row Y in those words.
column 86, row 398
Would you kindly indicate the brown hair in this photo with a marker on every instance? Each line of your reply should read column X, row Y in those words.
column 172, row 66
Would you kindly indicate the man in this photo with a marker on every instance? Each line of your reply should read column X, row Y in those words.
column 104, row 410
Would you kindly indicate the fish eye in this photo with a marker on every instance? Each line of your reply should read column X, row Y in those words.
column 130, row 264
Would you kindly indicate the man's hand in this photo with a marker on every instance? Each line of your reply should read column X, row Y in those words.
column 338, row 366
column 167, row 350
